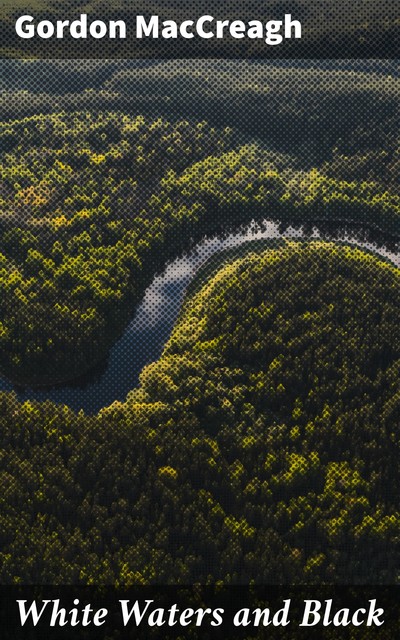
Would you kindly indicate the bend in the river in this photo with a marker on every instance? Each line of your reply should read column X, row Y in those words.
column 145, row 336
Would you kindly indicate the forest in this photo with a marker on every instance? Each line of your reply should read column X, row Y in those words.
column 253, row 449
column 262, row 445
column 89, row 218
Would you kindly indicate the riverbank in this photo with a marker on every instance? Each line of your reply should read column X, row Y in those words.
column 143, row 339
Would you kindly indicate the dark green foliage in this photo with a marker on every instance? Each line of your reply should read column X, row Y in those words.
column 311, row 108
column 88, row 219
column 262, row 446
column 75, row 231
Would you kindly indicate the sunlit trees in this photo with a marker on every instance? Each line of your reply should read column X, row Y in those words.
column 269, row 454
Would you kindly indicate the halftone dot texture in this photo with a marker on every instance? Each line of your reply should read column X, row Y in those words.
column 307, row 29
column 203, row 256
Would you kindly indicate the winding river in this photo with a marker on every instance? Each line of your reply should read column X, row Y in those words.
column 151, row 326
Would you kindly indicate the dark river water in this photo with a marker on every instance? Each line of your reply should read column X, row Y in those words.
column 152, row 323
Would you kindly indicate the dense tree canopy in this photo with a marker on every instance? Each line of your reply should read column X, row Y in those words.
column 314, row 109
column 89, row 217
column 262, row 446
column 74, row 233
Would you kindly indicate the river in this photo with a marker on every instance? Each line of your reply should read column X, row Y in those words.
column 152, row 323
